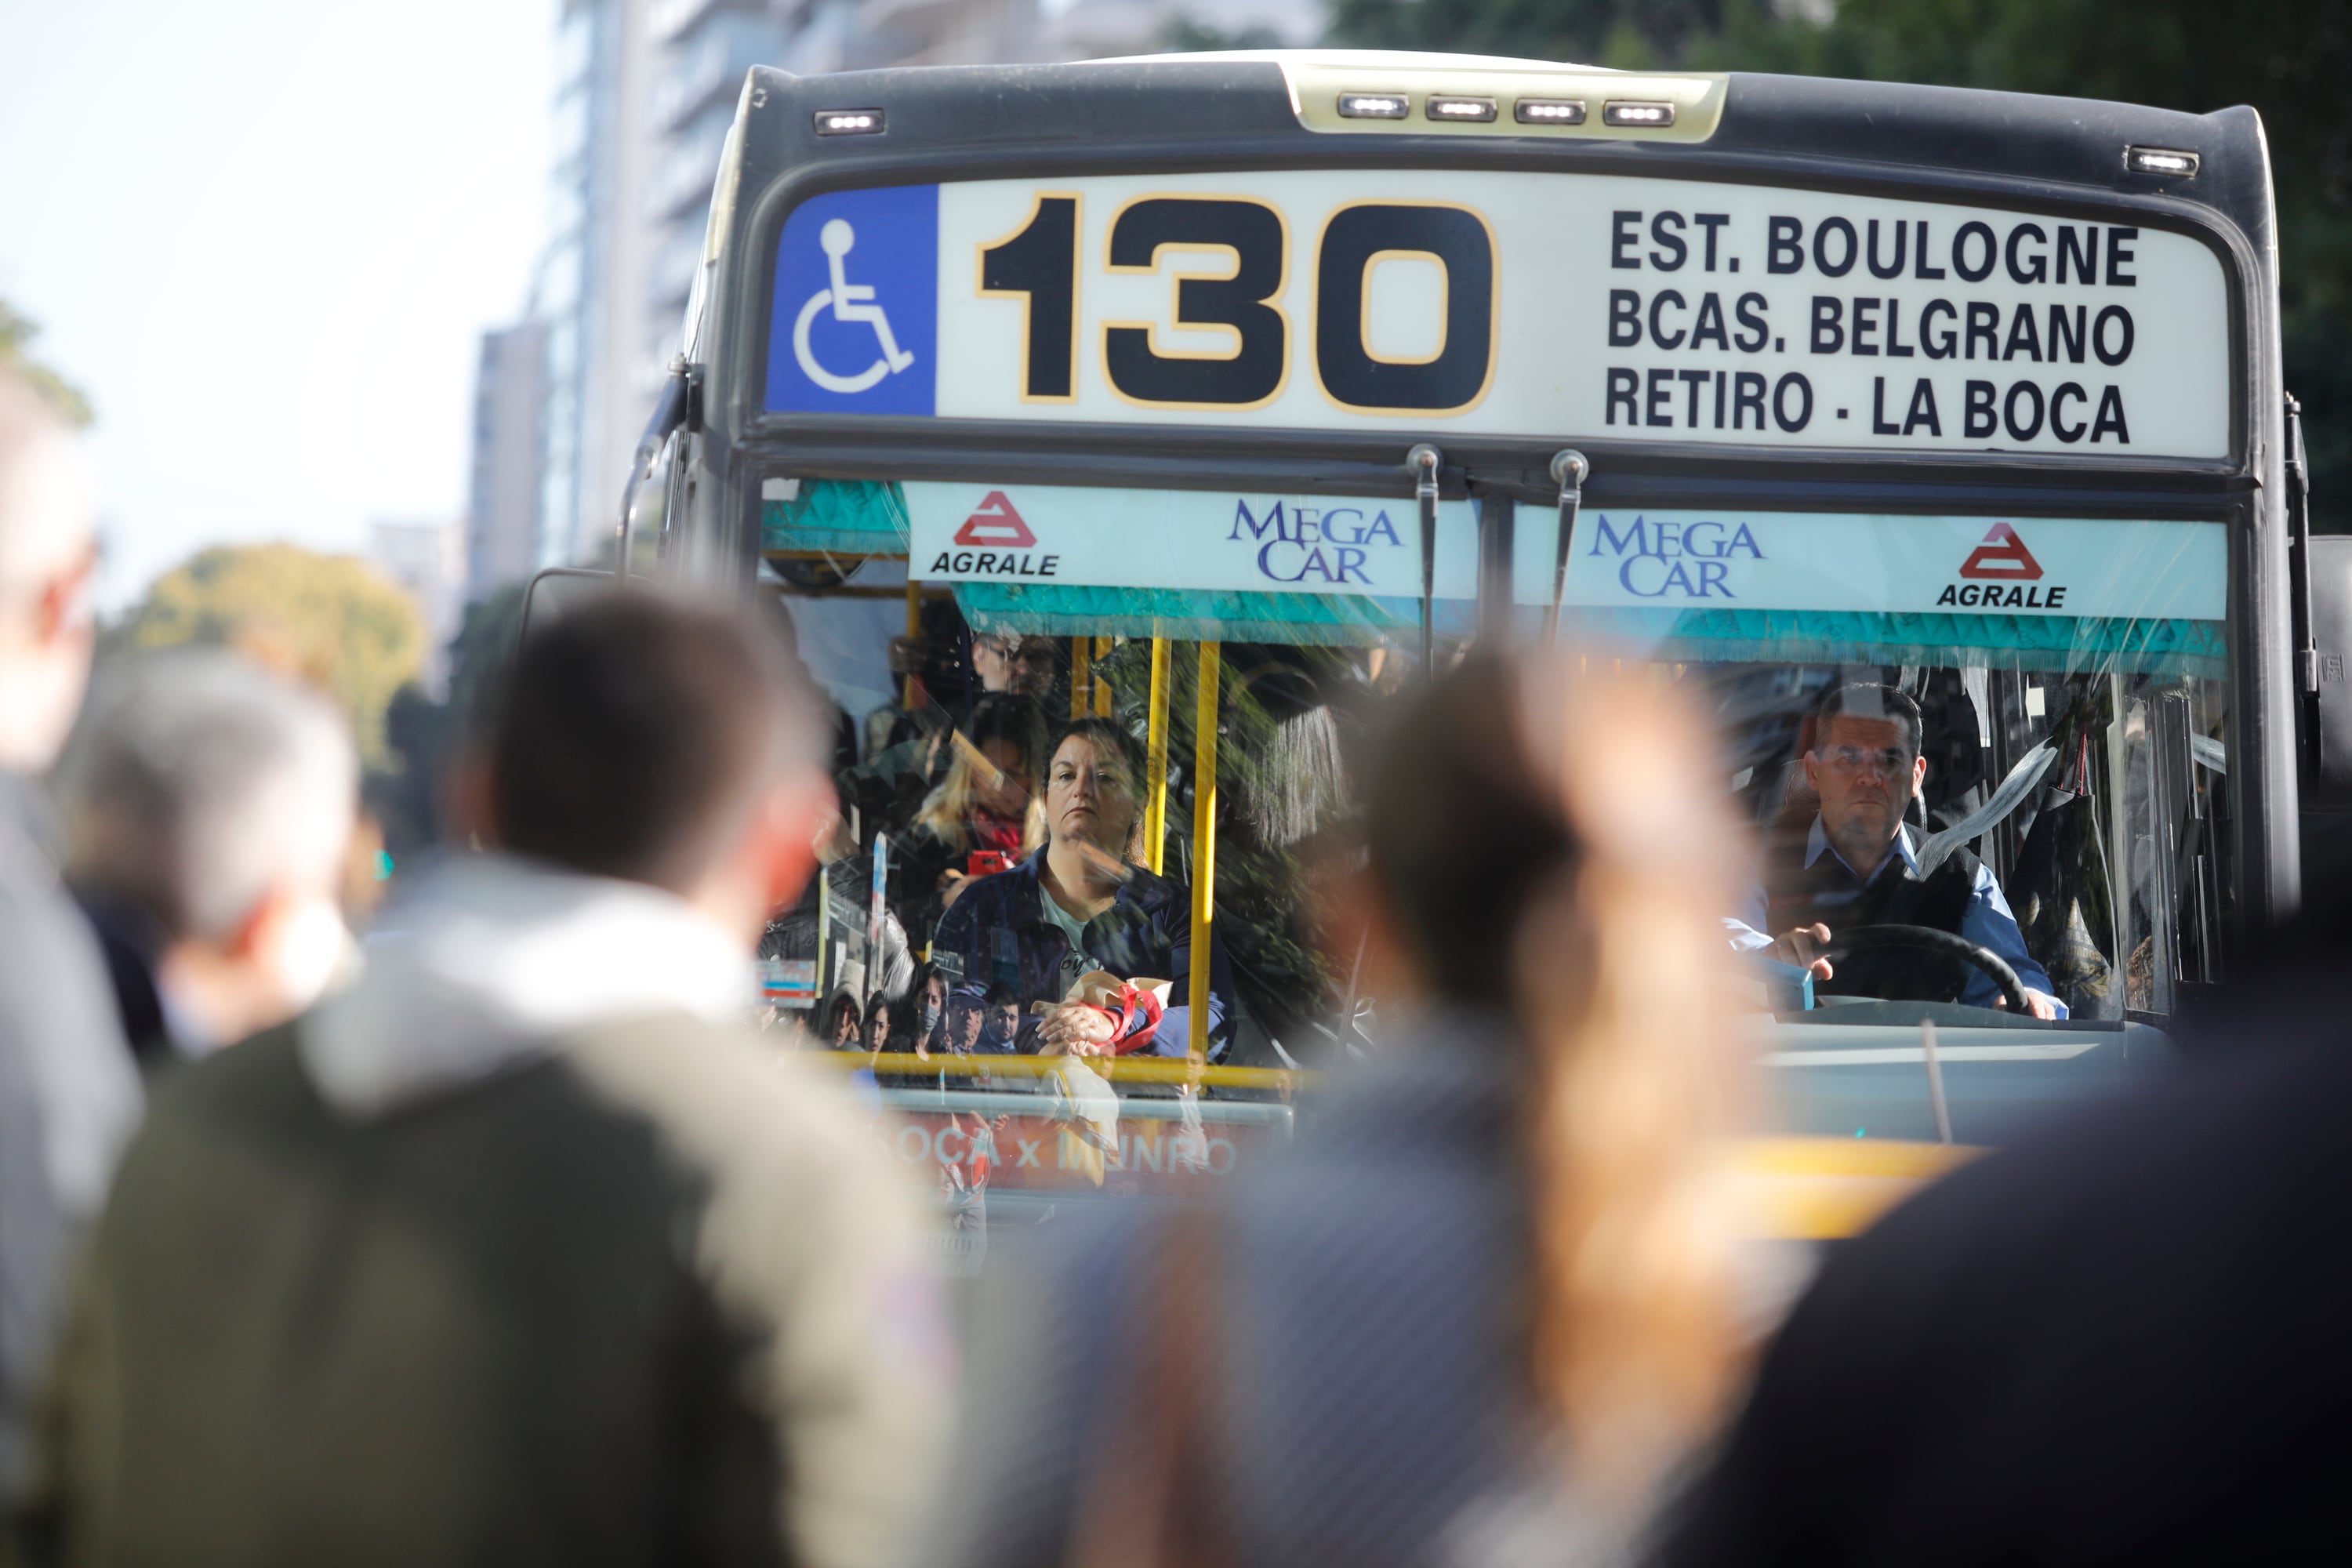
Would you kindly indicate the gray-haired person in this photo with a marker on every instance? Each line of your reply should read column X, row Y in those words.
column 524, row 1248
column 207, row 806
column 68, row 1093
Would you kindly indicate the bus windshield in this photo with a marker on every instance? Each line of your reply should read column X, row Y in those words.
column 1113, row 475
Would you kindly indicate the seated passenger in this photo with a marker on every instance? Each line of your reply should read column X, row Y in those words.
column 929, row 1005
column 882, row 1024
column 984, row 816
column 1859, row 865
column 842, row 1020
column 967, row 1018
column 1081, row 903
column 1001, row 1035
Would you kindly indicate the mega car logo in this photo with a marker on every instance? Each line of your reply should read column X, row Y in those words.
column 1332, row 543
column 2002, row 558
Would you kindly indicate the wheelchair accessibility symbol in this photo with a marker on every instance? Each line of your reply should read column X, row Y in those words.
column 852, row 326
column 850, row 302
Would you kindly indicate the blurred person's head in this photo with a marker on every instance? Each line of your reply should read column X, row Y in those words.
column 216, row 800
column 992, row 654
column 48, row 557
column 1009, row 735
column 967, row 1016
column 930, row 1000
column 881, row 1017
column 656, row 740
column 843, row 1020
column 1093, row 786
column 1865, row 765
column 1035, row 662
column 1574, row 891
column 1003, row 1013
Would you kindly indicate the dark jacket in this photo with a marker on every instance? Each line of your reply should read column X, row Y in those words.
column 2122, row 1342
column 68, row 1097
column 998, row 930
column 130, row 943
column 1825, row 892
column 545, row 1321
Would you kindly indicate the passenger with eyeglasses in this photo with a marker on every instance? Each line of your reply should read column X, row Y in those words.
column 1859, row 865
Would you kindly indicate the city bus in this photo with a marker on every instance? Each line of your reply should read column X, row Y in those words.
column 1221, row 397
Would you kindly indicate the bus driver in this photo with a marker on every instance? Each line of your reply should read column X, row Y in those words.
column 1858, row 866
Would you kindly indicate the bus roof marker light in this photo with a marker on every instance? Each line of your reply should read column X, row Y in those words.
column 1463, row 109
column 2160, row 161
column 849, row 122
column 1374, row 106
column 1548, row 111
column 1637, row 114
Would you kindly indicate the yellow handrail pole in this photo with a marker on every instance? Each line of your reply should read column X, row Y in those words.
column 1102, row 687
column 1155, row 807
column 1205, row 845
column 1081, row 676
column 914, row 638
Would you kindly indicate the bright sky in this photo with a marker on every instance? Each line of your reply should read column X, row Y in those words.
column 262, row 236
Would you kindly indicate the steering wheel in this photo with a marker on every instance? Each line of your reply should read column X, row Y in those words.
column 1945, row 944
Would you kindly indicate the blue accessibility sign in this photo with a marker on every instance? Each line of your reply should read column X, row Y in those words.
column 855, row 324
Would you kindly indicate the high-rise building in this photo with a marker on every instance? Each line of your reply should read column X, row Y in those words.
column 591, row 284
column 503, row 541
column 429, row 561
column 645, row 91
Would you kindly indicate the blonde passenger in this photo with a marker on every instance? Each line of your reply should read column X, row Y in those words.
column 986, row 815
column 1483, row 1307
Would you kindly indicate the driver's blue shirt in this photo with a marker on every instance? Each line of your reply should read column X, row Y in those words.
column 1986, row 922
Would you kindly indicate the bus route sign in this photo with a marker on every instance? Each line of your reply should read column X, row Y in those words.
column 1505, row 303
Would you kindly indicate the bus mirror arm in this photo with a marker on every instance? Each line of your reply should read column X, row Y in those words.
column 2299, row 574
column 679, row 407
column 1424, row 462
column 1569, row 470
column 2319, row 587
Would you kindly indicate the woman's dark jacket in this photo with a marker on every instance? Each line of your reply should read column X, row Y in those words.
column 997, row 931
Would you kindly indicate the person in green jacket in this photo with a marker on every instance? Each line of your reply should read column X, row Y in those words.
column 524, row 1250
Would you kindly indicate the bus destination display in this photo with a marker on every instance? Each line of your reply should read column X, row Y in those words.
column 1503, row 303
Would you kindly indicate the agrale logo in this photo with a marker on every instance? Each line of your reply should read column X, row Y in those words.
column 2002, row 558
column 998, row 540
column 2002, row 554
column 997, row 525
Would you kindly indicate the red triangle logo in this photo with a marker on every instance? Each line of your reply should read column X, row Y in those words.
column 2002, row 554
column 998, row 525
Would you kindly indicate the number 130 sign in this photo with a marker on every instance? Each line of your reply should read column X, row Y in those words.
column 1134, row 299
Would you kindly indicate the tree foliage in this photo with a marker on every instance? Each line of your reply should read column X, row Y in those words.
column 2291, row 59
column 330, row 619
column 17, row 335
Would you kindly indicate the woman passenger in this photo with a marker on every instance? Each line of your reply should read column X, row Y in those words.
column 1481, row 1310
column 985, row 818
column 881, row 1025
column 1083, row 903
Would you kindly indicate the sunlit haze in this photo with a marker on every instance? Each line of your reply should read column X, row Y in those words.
column 262, row 235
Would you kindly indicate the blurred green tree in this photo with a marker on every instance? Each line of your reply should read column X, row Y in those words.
column 330, row 619
column 2291, row 59
column 17, row 335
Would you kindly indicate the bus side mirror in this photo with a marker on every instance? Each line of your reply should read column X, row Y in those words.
column 2328, row 741
column 558, row 592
